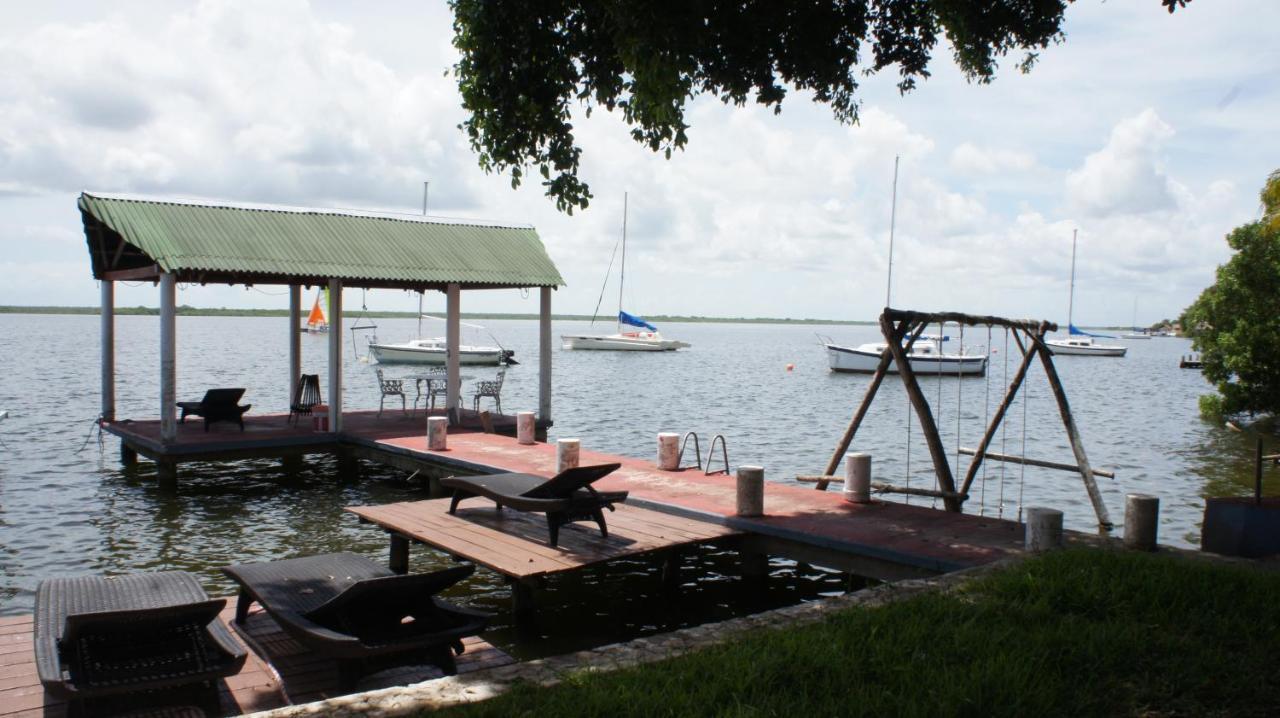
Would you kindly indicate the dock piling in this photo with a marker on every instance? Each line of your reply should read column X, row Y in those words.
column 857, row 477
column 437, row 433
column 167, row 474
column 1141, row 521
column 1043, row 529
column 398, row 555
column 668, row 451
column 128, row 455
column 567, row 453
column 525, row 427
column 750, row 490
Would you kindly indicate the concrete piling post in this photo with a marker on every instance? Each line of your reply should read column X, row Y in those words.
column 525, row 427
column 857, row 477
column 437, row 433
column 1043, row 529
column 750, row 490
column 567, row 452
column 668, row 451
column 1141, row 521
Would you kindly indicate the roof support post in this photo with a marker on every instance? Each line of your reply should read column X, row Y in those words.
column 453, row 337
column 544, row 355
column 108, row 350
column 295, row 339
column 168, row 358
column 335, row 355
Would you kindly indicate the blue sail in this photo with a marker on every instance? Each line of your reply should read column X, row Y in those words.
column 635, row 321
column 1075, row 332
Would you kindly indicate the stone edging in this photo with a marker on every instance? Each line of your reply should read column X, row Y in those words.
column 484, row 684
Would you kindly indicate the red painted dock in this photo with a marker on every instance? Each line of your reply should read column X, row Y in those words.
column 928, row 539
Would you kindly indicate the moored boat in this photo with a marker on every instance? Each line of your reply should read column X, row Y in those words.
column 1081, row 344
column 433, row 351
column 926, row 357
column 623, row 342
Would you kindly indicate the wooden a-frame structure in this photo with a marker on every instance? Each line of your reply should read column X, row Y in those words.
column 901, row 329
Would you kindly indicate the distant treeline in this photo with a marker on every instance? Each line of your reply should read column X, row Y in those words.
column 189, row 311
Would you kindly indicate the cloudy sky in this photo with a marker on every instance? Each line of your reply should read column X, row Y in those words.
column 1151, row 134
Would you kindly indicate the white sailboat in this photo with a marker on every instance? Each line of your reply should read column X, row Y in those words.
column 433, row 350
column 926, row 355
column 1078, row 343
column 1138, row 332
column 648, row 340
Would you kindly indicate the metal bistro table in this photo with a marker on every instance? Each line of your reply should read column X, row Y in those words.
column 429, row 377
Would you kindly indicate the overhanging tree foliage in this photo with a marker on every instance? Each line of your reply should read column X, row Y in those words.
column 1236, row 322
column 525, row 65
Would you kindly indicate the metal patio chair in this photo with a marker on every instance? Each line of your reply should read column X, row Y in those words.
column 491, row 389
column 307, row 398
column 390, row 387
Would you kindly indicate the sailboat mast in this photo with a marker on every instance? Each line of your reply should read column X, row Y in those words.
column 622, row 273
column 1071, row 294
column 893, row 217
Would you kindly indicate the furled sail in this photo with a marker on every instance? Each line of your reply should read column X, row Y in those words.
column 635, row 321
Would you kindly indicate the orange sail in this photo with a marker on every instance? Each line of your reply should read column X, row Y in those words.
column 316, row 318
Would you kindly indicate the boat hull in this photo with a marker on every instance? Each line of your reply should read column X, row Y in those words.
column 858, row 361
column 620, row 343
column 1085, row 350
column 391, row 354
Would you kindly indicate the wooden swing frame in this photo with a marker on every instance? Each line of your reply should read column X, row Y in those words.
column 901, row 329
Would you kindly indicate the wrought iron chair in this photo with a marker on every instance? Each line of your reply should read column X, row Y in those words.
column 307, row 397
column 390, row 387
column 492, row 389
column 438, row 387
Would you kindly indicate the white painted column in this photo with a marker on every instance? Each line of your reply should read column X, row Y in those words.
column 168, row 358
column 453, row 339
column 295, row 339
column 335, row 355
column 108, row 350
column 544, row 355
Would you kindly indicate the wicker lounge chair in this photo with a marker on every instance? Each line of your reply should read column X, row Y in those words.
column 564, row 498
column 97, row 636
column 217, row 405
column 356, row 610
column 306, row 399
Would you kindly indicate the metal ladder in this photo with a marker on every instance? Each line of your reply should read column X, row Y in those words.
column 697, row 453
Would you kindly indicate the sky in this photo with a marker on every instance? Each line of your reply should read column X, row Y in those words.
column 1150, row 134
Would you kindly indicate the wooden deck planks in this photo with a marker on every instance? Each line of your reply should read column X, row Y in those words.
column 514, row 543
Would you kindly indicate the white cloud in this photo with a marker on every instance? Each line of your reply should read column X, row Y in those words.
column 1127, row 175
column 970, row 159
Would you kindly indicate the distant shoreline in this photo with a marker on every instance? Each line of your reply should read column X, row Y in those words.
column 188, row 311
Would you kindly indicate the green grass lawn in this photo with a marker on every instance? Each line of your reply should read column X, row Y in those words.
column 1078, row 632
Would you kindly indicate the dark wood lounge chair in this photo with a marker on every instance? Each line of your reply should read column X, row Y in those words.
column 97, row 636
column 357, row 611
column 564, row 498
column 217, row 405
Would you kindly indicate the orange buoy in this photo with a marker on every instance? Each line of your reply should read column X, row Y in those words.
column 791, row 367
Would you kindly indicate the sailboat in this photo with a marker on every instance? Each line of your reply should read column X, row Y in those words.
column 316, row 322
column 1079, row 343
column 925, row 356
column 649, row 340
column 1138, row 332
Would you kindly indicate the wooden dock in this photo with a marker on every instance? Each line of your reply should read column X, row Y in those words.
column 278, row 672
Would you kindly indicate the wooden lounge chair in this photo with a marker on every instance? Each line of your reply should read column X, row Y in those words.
column 217, row 405
column 98, row 636
column 356, row 610
column 564, row 498
column 307, row 398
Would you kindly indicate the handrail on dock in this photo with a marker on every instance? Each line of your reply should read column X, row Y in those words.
column 697, row 450
column 724, row 452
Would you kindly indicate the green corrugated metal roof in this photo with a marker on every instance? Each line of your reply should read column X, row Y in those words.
column 226, row 238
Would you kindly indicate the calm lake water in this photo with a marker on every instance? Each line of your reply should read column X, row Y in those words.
column 68, row 507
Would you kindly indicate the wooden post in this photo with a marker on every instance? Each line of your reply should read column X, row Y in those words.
column 398, row 558
column 843, row 446
column 1043, row 529
column 128, row 455
column 544, row 355
column 335, row 355
column 522, row 600
column 168, row 358
column 1073, row 434
column 453, row 339
column 295, row 339
column 167, row 474
column 1141, row 521
column 108, row 322
column 1010, row 393
column 941, row 466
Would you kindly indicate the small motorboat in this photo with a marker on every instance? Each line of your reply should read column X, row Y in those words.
column 926, row 357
